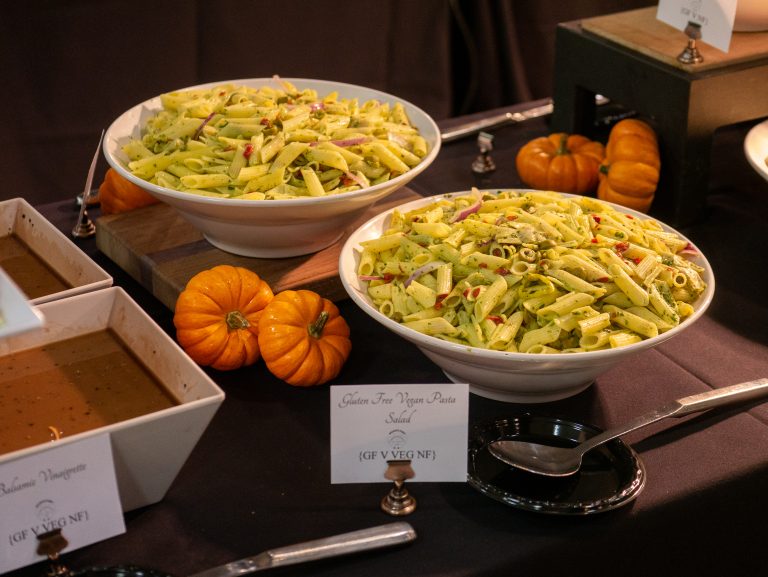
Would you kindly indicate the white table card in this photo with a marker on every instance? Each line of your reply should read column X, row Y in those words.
column 715, row 17
column 373, row 424
column 71, row 487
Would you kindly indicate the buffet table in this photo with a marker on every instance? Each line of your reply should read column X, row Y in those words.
column 260, row 476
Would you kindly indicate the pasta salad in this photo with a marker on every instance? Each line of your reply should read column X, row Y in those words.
column 273, row 142
column 530, row 272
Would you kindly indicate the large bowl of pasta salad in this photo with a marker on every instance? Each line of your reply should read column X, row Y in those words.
column 272, row 167
column 526, row 295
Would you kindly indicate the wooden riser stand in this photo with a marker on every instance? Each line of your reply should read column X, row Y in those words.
column 631, row 58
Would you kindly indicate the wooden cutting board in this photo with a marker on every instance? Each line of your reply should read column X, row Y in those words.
column 162, row 251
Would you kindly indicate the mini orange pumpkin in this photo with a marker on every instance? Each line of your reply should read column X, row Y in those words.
column 560, row 162
column 303, row 338
column 629, row 127
column 118, row 194
column 217, row 316
column 630, row 174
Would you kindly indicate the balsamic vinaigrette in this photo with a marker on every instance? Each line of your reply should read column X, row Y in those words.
column 71, row 386
column 32, row 275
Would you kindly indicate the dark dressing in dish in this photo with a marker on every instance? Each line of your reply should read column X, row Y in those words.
column 71, row 386
column 30, row 272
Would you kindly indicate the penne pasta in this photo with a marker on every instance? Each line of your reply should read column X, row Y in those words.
column 546, row 281
column 225, row 129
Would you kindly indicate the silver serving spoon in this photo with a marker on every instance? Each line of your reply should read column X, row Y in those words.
column 560, row 462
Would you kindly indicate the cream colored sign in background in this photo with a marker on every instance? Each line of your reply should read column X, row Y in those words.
column 715, row 17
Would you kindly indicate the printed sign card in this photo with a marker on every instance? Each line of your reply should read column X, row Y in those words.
column 71, row 487
column 714, row 17
column 373, row 424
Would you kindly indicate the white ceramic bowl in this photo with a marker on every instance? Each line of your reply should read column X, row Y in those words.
column 272, row 228
column 504, row 376
column 756, row 148
column 149, row 450
column 67, row 260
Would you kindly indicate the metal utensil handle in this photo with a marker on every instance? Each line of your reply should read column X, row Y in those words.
column 353, row 542
column 684, row 406
column 82, row 217
column 472, row 127
column 741, row 392
column 356, row 541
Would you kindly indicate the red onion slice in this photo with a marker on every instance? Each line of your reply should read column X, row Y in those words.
column 422, row 270
column 346, row 142
column 202, row 125
column 471, row 209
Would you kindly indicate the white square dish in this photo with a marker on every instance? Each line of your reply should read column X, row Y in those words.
column 49, row 244
column 149, row 450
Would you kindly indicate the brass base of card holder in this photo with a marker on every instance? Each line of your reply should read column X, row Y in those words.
column 691, row 54
column 398, row 501
column 484, row 164
column 51, row 544
column 85, row 228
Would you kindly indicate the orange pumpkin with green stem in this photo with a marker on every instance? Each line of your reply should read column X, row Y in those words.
column 217, row 316
column 303, row 339
column 560, row 162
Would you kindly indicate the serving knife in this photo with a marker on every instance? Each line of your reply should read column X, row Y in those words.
column 377, row 537
column 472, row 127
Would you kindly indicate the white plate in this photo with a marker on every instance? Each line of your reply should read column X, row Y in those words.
column 756, row 148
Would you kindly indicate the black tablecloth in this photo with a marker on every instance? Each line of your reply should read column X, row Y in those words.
column 260, row 476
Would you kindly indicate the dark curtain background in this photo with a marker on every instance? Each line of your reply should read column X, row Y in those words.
column 71, row 66
column 504, row 50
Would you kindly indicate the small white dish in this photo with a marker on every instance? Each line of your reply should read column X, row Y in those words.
column 54, row 248
column 756, row 148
